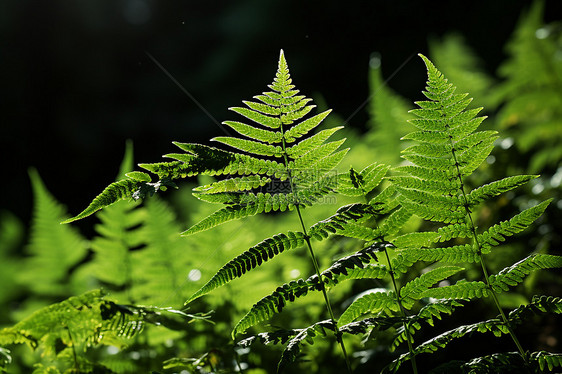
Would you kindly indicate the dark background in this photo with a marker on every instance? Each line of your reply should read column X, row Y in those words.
column 76, row 81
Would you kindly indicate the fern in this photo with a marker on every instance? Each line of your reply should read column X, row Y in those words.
column 386, row 301
column 53, row 249
column 350, row 267
column 67, row 329
column 496, row 326
column 529, row 92
column 447, row 149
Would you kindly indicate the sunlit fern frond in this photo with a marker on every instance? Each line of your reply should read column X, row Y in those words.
column 381, row 300
column 355, row 266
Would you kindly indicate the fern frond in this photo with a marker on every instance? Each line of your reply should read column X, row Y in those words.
column 306, row 126
column 251, row 259
column 342, row 219
column 424, row 239
column 539, row 304
column 262, row 135
column 205, row 160
column 494, row 326
column 431, row 207
column 360, row 184
column 497, row 233
column 427, row 314
column 249, row 204
column 547, row 360
column 395, row 221
column 233, row 185
column 311, row 143
column 274, row 303
column 53, row 248
column 414, row 289
column 347, row 268
column 334, row 273
column 80, row 314
column 513, row 275
column 374, row 302
column 253, row 204
column 251, row 146
column 364, row 325
column 461, row 290
column 125, row 189
column 454, row 254
column 306, row 335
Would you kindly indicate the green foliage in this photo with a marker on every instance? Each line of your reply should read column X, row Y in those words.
column 530, row 92
column 65, row 330
column 53, row 249
column 398, row 236
column 447, row 151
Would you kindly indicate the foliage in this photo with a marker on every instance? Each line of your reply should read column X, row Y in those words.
column 402, row 262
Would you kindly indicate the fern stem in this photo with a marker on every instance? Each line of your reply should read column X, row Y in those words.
column 76, row 366
column 313, row 257
column 323, row 288
column 481, row 258
column 409, row 337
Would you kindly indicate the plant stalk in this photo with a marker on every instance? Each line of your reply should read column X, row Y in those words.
column 409, row 337
column 323, row 288
column 313, row 258
column 483, row 265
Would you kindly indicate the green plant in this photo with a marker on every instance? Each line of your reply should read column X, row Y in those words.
column 282, row 165
column 434, row 187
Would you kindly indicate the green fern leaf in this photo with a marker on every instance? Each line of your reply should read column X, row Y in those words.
column 262, row 135
column 374, row 302
column 427, row 238
column 441, row 341
column 395, row 222
column 274, row 303
column 341, row 222
column 497, row 233
column 233, row 185
column 262, row 119
column 514, row 274
column 414, row 289
column 250, row 146
column 547, row 360
column 346, row 268
column 311, row 143
column 496, row 188
column 427, row 314
column 122, row 190
column 250, row 259
column 454, row 254
column 460, row 290
column 53, row 249
column 306, row 126
column 538, row 305
column 360, row 184
column 307, row 335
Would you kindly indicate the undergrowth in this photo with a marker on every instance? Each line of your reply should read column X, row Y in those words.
column 381, row 267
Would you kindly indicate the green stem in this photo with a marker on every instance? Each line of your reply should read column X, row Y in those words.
column 314, row 261
column 482, row 263
column 409, row 337
column 76, row 366
column 323, row 289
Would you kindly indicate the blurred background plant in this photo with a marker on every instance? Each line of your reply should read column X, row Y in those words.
column 73, row 98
